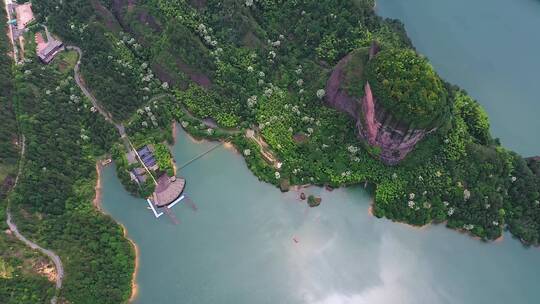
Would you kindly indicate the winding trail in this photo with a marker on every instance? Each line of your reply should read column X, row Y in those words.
column 191, row 116
column 81, row 84
column 23, row 150
column 53, row 256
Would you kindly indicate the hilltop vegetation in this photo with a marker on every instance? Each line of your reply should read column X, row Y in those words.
column 409, row 88
column 52, row 202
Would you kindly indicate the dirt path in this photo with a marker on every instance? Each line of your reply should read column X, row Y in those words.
column 267, row 154
column 89, row 95
column 53, row 256
column 108, row 116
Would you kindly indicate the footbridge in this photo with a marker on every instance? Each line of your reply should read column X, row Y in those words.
column 194, row 159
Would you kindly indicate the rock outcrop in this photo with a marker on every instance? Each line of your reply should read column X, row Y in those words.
column 336, row 96
column 386, row 137
column 381, row 130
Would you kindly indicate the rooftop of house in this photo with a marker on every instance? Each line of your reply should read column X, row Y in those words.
column 147, row 156
column 139, row 174
column 47, row 52
column 139, row 171
column 146, row 150
column 168, row 190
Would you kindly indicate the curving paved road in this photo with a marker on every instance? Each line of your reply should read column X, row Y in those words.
column 53, row 256
column 86, row 92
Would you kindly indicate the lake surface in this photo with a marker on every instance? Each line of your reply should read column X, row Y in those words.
column 239, row 247
column 491, row 48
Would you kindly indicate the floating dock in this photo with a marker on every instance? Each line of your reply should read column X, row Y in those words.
column 156, row 214
column 176, row 202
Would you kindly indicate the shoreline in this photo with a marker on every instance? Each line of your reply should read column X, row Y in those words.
column 410, row 226
column 174, row 131
column 134, row 286
column 226, row 144
column 193, row 139
column 97, row 204
column 230, row 146
column 97, row 198
column 498, row 240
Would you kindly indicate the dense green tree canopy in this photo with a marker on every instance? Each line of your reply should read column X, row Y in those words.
column 406, row 84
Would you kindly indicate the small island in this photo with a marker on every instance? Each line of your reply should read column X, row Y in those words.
column 314, row 201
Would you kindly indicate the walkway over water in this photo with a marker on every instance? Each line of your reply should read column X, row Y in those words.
column 189, row 162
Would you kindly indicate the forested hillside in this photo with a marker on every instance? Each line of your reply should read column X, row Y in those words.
column 21, row 278
column 52, row 203
column 8, row 126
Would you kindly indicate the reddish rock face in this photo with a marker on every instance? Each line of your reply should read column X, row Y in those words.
column 338, row 98
column 380, row 130
column 376, row 126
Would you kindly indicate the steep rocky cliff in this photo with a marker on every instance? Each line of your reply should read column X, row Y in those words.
column 376, row 126
column 386, row 137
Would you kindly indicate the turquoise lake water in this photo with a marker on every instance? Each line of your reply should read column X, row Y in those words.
column 239, row 246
